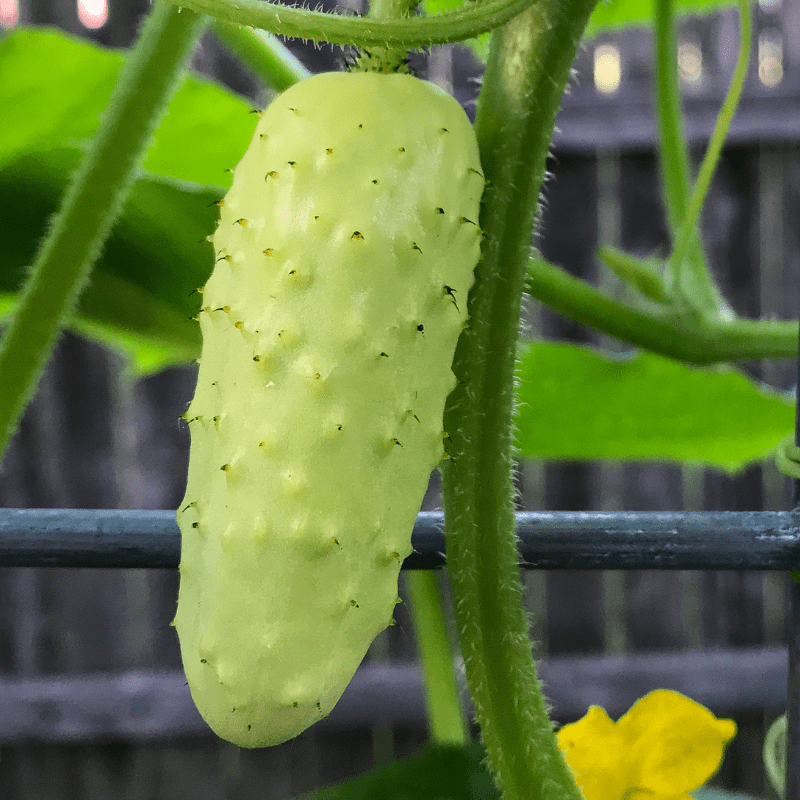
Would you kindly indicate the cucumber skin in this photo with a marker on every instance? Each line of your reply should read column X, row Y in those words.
column 345, row 253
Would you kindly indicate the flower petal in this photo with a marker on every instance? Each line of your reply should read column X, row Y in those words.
column 596, row 754
column 676, row 743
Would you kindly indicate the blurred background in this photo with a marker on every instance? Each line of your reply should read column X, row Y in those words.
column 87, row 660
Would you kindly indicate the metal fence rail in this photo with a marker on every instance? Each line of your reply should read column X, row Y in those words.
column 684, row 540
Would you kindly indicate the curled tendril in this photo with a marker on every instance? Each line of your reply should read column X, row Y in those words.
column 470, row 20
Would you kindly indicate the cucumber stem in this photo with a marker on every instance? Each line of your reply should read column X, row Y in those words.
column 386, row 58
column 469, row 20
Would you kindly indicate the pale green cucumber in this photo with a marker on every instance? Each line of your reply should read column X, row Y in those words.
column 345, row 253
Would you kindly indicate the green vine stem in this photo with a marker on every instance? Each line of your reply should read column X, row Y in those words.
column 263, row 53
column 465, row 22
column 386, row 58
column 714, row 149
column 670, row 333
column 91, row 205
column 691, row 284
column 446, row 718
column 529, row 64
column 672, row 141
column 643, row 277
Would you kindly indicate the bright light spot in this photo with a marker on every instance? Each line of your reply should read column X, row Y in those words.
column 769, row 5
column 770, row 57
column 9, row 13
column 93, row 13
column 607, row 68
column 690, row 62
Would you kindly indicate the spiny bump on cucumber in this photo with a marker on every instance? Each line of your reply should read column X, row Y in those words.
column 329, row 325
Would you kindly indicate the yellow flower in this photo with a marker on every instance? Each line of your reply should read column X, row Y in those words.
column 664, row 747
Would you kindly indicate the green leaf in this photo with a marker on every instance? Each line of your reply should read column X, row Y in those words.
column 619, row 14
column 140, row 298
column 437, row 772
column 576, row 403
column 55, row 87
column 774, row 751
column 479, row 45
column 141, row 295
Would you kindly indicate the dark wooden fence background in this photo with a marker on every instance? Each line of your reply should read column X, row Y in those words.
column 92, row 702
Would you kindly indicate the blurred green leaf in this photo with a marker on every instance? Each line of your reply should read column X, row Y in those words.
column 577, row 403
column 619, row 14
column 55, row 88
column 141, row 295
column 436, row 772
column 479, row 45
column 774, row 750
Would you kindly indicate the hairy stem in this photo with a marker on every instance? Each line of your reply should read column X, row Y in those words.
column 529, row 64
column 638, row 274
column 386, row 58
column 466, row 22
column 672, row 141
column 263, row 53
column 91, row 205
column 668, row 332
column 712, row 154
column 446, row 719
column 689, row 277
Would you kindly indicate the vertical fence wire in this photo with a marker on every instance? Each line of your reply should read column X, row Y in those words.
column 793, row 644
column 793, row 696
